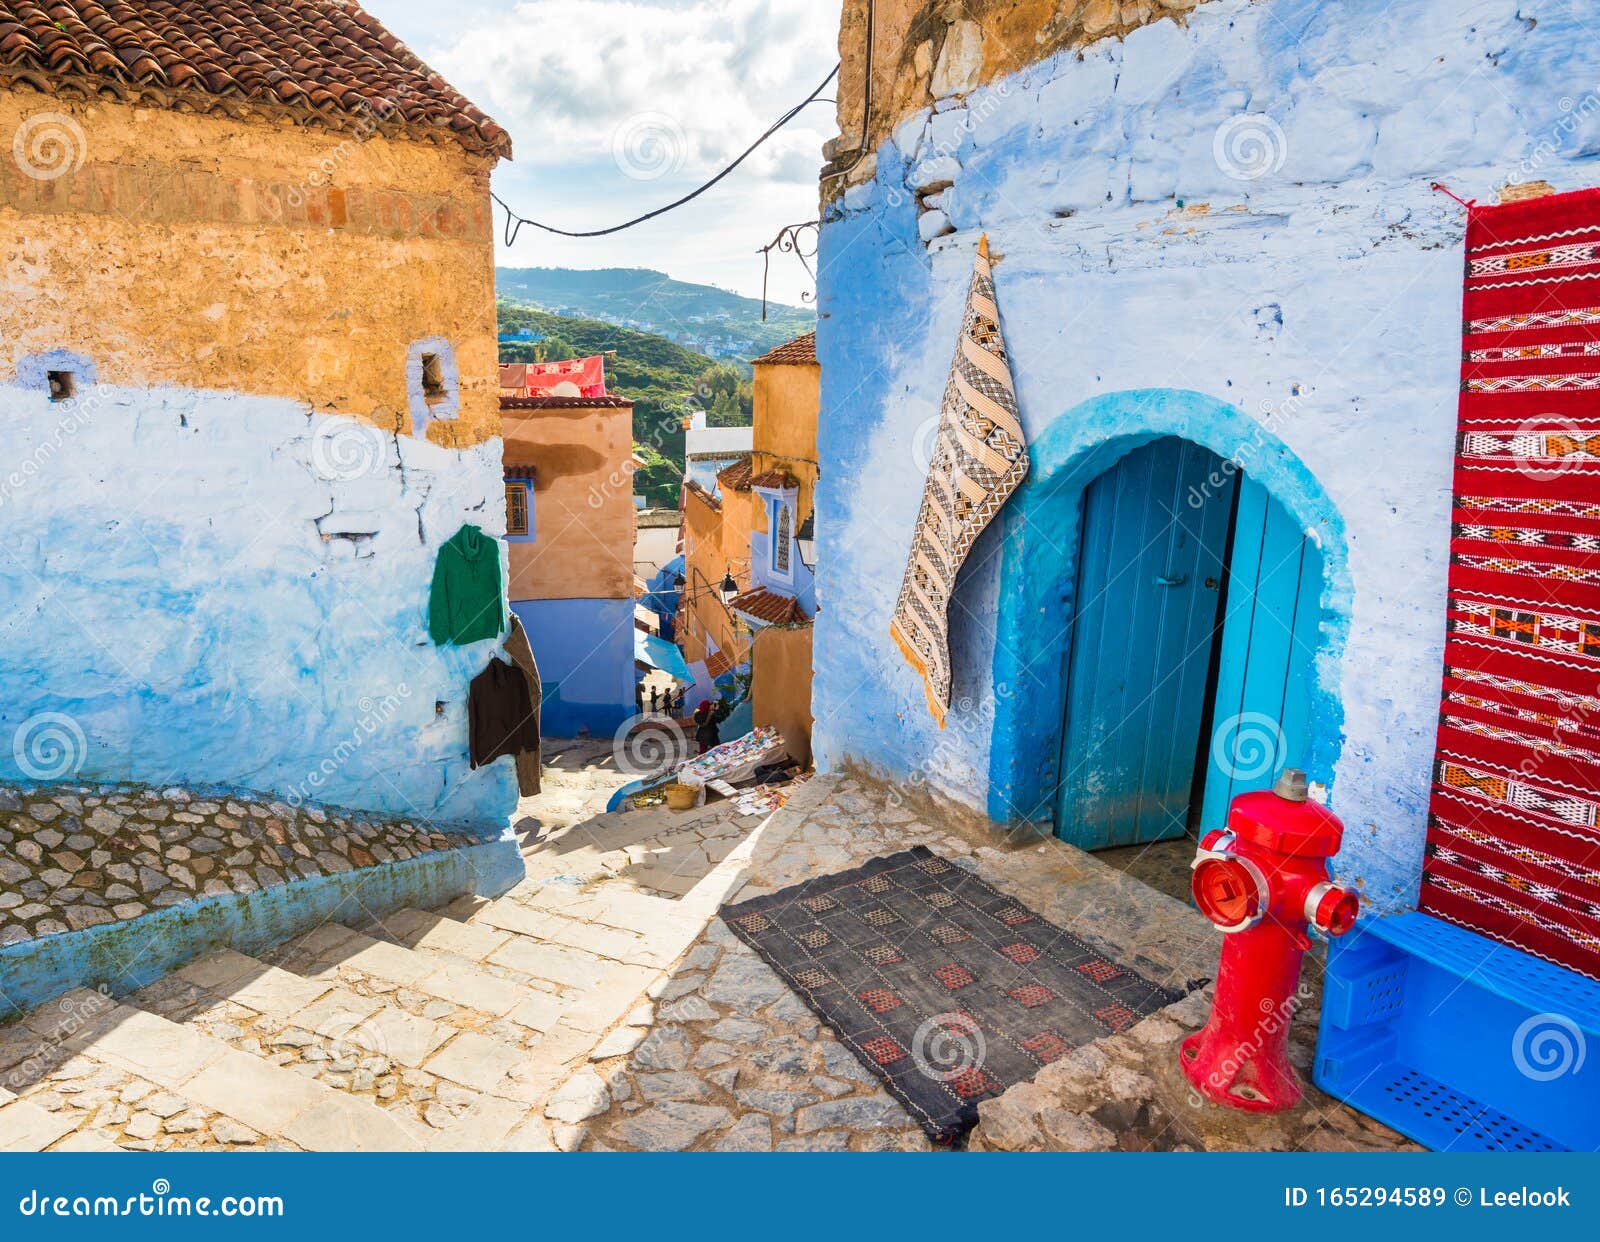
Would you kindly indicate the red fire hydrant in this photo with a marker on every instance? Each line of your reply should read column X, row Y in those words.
column 1263, row 880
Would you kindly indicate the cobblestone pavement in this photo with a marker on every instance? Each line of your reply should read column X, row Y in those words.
column 601, row 1004
column 78, row 856
column 425, row 1030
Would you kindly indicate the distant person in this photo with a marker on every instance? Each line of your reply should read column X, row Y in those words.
column 706, row 720
column 655, row 695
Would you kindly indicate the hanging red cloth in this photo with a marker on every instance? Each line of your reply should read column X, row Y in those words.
column 1514, row 821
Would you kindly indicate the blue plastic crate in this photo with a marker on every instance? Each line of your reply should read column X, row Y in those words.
column 1459, row 1041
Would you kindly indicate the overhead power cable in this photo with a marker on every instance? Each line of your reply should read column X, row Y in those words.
column 514, row 221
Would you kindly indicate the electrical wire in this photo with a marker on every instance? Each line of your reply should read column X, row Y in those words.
column 514, row 222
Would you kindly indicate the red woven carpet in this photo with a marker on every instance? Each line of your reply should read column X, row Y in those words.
column 1514, row 828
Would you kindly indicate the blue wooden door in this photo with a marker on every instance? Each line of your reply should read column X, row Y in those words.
column 1145, row 617
column 1261, row 718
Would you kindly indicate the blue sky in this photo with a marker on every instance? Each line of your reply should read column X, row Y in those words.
column 617, row 106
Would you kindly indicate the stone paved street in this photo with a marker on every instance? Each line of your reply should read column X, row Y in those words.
column 602, row 1005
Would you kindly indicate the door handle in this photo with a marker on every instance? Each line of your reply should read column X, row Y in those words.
column 1171, row 581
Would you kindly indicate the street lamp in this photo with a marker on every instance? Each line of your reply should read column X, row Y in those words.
column 806, row 540
column 728, row 589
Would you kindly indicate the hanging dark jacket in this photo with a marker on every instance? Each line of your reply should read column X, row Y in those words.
column 467, row 603
column 529, row 770
column 500, row 715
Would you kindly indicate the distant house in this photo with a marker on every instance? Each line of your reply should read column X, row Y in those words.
column 657, row 540
column 570, row 533
column 710, row 450
column 780, row 602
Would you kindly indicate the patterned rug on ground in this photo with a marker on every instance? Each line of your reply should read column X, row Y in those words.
column 945, row 988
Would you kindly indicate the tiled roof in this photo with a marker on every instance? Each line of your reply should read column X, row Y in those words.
column 565, row 403
column 520, row 473
column 798, row 352
column 320, row 60
column 769, row 606
column 736, row 478
column 779, row 480
column 691, row 488
column 718, row 663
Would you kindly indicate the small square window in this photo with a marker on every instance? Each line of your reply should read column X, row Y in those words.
column 516, row 508
column 63, row 385
column 432, row 379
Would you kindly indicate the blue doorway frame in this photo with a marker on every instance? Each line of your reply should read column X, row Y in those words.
column 1039, row 552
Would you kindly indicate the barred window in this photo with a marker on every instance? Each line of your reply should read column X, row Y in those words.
column 516, row 508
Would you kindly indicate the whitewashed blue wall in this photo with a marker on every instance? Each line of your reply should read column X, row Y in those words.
column 1319, row 291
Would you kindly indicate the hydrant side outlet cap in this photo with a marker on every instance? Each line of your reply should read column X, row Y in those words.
column 1303, row 829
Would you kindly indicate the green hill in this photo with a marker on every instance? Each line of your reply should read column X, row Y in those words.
column 702, row 318
column 665, row 381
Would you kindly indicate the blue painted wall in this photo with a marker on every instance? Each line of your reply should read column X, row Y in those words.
column 212, row 589
column 584, row 649
column 1234, row 213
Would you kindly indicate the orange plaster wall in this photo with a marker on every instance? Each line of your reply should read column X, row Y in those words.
column 582, row 500
column 781, row 686
column 247, row 256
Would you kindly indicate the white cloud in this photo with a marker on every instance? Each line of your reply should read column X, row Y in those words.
column 573, row 79
column 658, row 88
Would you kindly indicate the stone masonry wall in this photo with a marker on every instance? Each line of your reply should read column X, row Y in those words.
column 79, row 856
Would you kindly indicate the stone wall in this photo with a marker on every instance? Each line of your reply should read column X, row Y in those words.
column 923, row 50
column 73, row 856
column 1237, row 210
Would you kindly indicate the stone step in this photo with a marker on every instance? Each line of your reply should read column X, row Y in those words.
column 466, row 949
column 444, row 1075
column 204, row 1077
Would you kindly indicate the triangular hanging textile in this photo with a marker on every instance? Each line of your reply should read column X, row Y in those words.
column 979, row 458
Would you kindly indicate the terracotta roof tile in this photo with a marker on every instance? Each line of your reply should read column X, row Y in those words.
column 769, row 606
column 798, row 352
column 327, row 61
column 718, row 663
column 779, row 480
column 565, row 403
column 736, row 478
column 691, row 488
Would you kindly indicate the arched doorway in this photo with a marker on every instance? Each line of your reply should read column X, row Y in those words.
column 1244, row 499
column 1190, row 652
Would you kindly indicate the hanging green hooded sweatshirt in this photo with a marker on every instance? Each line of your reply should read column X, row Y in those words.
column 466, row 604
